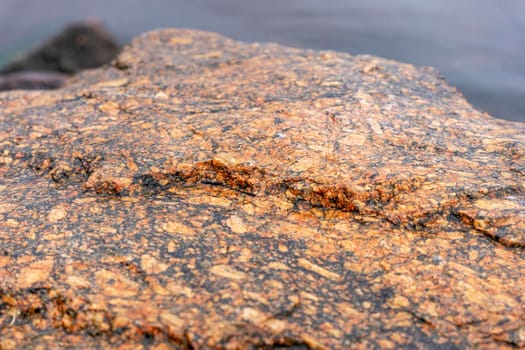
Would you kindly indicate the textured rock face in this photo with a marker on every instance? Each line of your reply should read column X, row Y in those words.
column 204, row 193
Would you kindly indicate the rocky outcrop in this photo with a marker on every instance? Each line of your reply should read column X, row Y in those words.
column 205, row 193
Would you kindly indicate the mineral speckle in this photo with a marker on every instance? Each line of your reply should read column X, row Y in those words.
column 204, row 193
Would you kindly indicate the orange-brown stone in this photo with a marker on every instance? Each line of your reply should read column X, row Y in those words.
column 205, row 193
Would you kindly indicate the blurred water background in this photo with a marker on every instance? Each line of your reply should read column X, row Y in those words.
column 478, row 45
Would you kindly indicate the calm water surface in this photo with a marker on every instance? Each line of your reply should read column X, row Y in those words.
column 479, row 45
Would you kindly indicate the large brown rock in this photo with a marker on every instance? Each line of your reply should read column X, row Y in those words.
column 204, row 193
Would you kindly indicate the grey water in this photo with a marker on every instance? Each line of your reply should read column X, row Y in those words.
column 478, row 45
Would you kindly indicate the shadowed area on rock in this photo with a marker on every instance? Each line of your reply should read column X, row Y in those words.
column 202, row 192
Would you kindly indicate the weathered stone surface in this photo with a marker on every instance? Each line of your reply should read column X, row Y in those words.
column 204, row 193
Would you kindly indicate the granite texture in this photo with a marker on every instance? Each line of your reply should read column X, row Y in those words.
column 204, row 193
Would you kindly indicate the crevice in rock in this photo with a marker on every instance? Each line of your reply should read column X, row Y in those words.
column 285, row 343
column 506, row 235
column 96, row 173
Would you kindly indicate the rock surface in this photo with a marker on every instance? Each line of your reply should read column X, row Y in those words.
column 204, row 193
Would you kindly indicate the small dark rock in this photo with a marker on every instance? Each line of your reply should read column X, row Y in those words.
column 32, row 80
column 79, row 46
